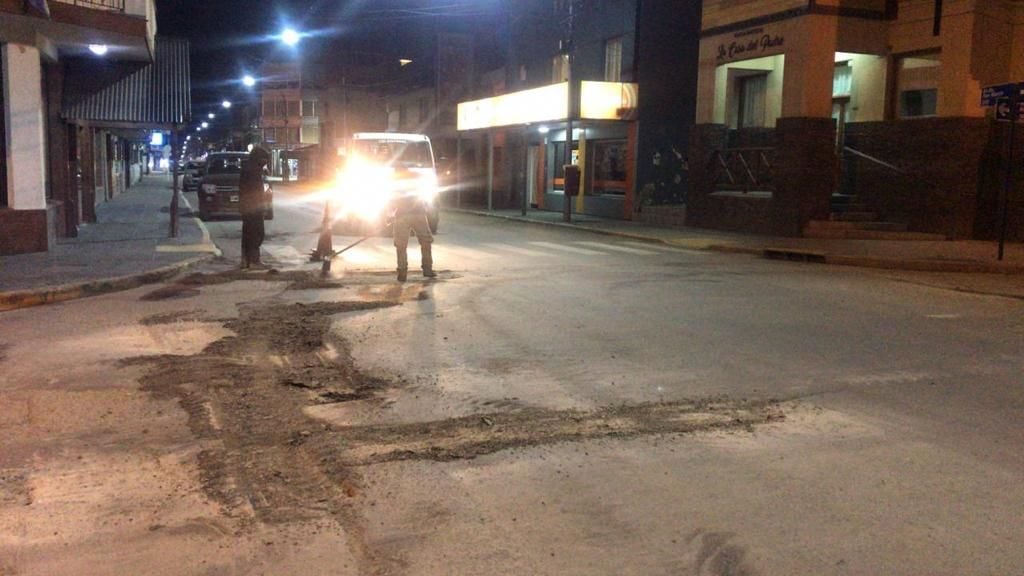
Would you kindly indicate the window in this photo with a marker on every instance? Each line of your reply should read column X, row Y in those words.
column 560, row 68
column 917, row 85
column 309, row 108
column 311, row 134
column 293, row 108
column 225, row 164
column 269, row 108
column 293, row 136
column 842, row 80
column 751, row 90
column 609, row 165
column 613, row 60
column 270, row 135
column 280, row 108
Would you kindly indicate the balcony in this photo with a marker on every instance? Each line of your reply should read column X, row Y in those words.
column 126, row 27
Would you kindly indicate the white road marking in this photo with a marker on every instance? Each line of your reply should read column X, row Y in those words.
column 517, row 250
column 570, row 249
column 944, row 316
column 618, row 248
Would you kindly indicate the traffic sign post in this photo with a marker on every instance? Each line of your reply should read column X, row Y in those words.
column 1008, row 100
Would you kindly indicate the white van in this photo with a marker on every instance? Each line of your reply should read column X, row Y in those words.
column 380, row 166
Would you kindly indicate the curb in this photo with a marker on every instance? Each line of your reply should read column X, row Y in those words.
column 54, row 294
column 790, row 254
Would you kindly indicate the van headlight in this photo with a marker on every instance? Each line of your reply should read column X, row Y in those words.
column 426, row 187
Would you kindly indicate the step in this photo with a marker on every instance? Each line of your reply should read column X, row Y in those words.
column 857, row 225
column 855, row 234
column 853, row 216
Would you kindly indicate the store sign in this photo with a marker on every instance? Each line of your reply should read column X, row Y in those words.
column 598, row 101
column 749, row 44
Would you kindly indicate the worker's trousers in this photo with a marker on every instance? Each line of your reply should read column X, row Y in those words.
column 417, row 222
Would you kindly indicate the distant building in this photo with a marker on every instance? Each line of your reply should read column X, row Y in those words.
column 854, row 118
column 64, row 145
column 309, row 111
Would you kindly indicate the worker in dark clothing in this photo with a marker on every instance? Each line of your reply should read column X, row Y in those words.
column 252, row 205
column 410, row 214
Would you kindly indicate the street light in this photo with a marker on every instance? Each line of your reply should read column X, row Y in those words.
column 248, row 81
column 205, row 124
column 226, row 104
column 290, row 37
column 211, row 115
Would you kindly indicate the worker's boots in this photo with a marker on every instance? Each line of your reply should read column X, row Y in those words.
column 427, row 261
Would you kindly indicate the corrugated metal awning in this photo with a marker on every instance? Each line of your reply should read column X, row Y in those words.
column 156, row 96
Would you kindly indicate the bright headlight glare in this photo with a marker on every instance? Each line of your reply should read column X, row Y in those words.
column 427, row 187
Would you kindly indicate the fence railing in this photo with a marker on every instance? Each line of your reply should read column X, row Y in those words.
column 744, row 169
column 110, row 5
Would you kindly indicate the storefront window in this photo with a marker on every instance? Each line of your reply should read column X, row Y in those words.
column 918, row 85
column 609, row 167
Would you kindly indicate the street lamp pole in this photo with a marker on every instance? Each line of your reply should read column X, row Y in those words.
column 570, row 110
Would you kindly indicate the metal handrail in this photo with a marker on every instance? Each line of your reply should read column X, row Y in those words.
column 922, row 178
column 744, row 169
column 110, row 5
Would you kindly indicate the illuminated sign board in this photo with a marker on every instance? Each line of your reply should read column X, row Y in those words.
column 156, row 139
column 598, row 101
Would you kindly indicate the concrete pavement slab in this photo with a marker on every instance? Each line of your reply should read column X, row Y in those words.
column 127, row 246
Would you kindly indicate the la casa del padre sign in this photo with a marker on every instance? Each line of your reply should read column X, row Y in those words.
column 749, row 44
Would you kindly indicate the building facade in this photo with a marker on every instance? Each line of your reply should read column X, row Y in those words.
column 309, row 111
column 54, row 55
column 633, row 85
column 854, row 118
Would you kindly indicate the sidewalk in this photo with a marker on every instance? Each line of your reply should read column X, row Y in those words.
column 943, row 256
column 129, row 245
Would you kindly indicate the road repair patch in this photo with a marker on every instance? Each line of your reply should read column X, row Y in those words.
column 265, row 457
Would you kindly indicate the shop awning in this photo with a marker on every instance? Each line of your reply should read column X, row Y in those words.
column 598, row 101
column 157, row 96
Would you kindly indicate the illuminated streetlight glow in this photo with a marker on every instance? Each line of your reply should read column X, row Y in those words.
column 226, row 104
column 211, row 115
column 290, row 37
column 205, row 124
column 249, row 81
column 198, row 128
column 98, row 49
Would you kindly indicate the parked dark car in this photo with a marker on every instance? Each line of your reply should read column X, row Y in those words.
column 192, row 175
column 218, row 191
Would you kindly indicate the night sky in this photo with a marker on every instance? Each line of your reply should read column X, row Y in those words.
column 230, row 38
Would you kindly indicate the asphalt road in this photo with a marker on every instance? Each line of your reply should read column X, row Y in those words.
column 555, row 403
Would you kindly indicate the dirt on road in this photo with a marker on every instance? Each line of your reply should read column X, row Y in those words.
column 267, row 460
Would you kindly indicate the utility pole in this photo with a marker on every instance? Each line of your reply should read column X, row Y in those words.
column 174, row 181
column 570, row 110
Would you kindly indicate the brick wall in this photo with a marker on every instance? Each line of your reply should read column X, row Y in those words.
column 951, row 180
column 24, row 231
column 804, row 174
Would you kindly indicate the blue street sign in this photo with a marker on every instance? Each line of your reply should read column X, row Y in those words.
column 1003, row 109
column 991, row 95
